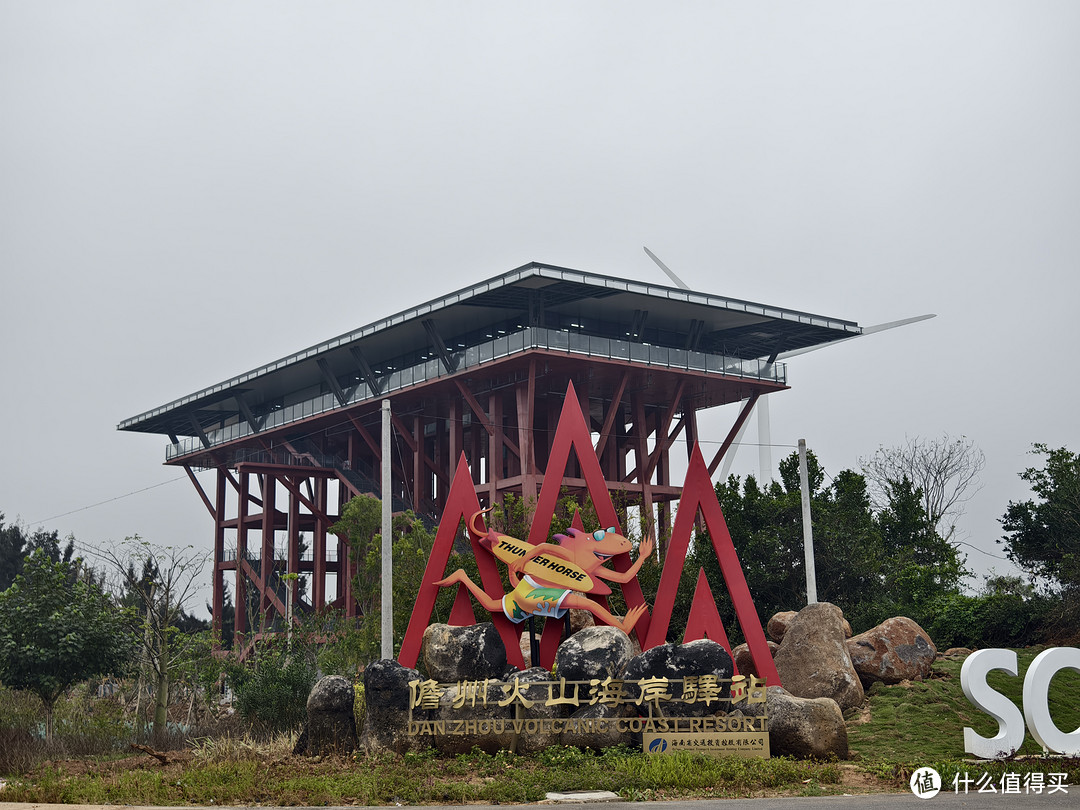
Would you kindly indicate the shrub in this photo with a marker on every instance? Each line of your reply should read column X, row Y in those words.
column 272, row 687
column 987, row 620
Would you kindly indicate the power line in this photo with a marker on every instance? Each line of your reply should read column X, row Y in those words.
column 987, row 553
column 107, row 500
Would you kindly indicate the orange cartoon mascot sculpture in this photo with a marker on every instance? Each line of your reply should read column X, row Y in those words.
column 554, row 577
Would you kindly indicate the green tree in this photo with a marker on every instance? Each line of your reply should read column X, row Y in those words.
column 766, row 528
column 872, row 563
column 54, row 633
column 1042, row 535
column 361, row 524
column 17, row 543
column 198, row 672
column 922, row 565
column 1007, row 612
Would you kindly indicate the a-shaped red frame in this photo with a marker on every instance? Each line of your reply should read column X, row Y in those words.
column 698, row 494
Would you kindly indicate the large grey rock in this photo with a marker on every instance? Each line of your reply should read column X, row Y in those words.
column 486, row 723
column 593, row 652
column 452, row 654
column 676, row 662
column 744, row 660
column 386, row 692
column 802, row 727
column 778, row 624
column 896, row 650
column 813, row 660
column 535, row 740
column 580, row 619
column 331, row 723
column 331, row 694
column 599, row 740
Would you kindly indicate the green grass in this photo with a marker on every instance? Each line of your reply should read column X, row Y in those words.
column 418, row 779
column 926, row 720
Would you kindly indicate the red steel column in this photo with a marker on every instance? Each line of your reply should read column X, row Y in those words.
column 318, row 586
column 293, row 564
column 267, row 567
column 495, row 447
column 419, row 476
column 219, row 553
column 241, row 620
column 456, row 437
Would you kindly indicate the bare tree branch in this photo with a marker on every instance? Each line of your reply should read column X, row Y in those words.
column 946, row 470
column 164, row 582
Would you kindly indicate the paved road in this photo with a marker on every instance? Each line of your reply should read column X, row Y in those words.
column 875, row 801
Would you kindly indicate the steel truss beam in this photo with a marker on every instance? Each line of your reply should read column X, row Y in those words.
column 500, row 417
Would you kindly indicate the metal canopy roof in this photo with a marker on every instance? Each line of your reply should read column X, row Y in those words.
column 532, row 295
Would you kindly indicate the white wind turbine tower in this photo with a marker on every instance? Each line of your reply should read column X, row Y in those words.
column 763, row 426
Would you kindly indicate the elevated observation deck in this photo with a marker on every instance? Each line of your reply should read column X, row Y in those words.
column 478, row 332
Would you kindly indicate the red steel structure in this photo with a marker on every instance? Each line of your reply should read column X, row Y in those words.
column 481, row 372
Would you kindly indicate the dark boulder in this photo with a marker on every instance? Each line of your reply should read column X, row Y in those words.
column 485, row 724
column 579, row 737
column 472, row 653
column 386, row 693
column 331, row 723
column 593, row 652
column 676, row 662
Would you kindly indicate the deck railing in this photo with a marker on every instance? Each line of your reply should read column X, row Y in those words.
column 527, row 339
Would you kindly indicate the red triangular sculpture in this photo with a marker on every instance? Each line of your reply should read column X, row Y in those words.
column 461, row 614
column 461, row 502
column 704, row 620
column 698, row 493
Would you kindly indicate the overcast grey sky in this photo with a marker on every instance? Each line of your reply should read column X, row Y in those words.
column 189, row 190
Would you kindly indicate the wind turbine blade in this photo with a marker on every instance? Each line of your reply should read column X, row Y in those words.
column 729, row 456
column 667, row 270
column 867, row 330
column 881, row 327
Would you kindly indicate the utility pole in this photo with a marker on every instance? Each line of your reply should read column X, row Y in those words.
column 807, row 528
column 387, row 649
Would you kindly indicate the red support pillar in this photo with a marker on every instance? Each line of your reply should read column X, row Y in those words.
column 269, row 491
column 496, row 449
column 663, row 508
column 419, row 476
column 641, row 431
column 525, row 394
column 456, row 437
column 241, row 617
column 294, row 548
column 318, row 586
column 219, row 552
